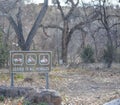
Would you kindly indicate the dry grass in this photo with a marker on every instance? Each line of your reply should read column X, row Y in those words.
column 76, row 86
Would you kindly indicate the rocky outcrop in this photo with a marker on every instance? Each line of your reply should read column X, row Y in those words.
column 49, row 97
column 15, row 91
column 113, row 102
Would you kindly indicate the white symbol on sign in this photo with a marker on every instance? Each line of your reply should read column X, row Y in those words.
column 44, row 60
column 17, row 60
column 31, row 60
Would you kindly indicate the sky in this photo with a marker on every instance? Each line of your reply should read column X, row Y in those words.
column 50, row 1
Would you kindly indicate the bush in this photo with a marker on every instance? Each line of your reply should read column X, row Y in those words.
column 87, row 54
column 19, row 76
column 4, row 53
column 29, row 103
column 2, row 98
column 3, row 56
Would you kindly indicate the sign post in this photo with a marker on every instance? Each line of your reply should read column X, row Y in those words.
column 30, row 61
column 47, row 80
column 12, row 79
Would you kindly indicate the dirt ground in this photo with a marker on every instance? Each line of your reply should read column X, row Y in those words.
column 76, row 86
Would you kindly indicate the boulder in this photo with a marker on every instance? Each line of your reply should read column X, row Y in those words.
column 51, row 97
column 113, row 102
column 14, row 91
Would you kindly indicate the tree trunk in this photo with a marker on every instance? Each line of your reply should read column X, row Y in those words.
column 111, row 53
column 36, row 25
column 110, row 49
column 96, row 50
column 64, row 53
column 65, row 42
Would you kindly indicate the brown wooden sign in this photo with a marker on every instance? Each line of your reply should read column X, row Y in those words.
column 30, row 61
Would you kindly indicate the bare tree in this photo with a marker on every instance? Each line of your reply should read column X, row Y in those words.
column 67, row 29
column 6, row 6
column 105, row 16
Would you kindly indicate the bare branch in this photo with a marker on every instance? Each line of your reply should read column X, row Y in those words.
column 114, row 25
column 72, row 8
column 52, row 26
column 19, row 22
column 21, row 39
column 36, row 24
column 60, row 8
column 6, row 6
column 45, row 32
column 72, row 2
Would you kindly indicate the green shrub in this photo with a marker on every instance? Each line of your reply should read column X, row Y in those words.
column 19, row 76
column 29, row 103
column 87, row 54
column 2, row 98
column 26, row 103
column 42, row 103
column 4, row 53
